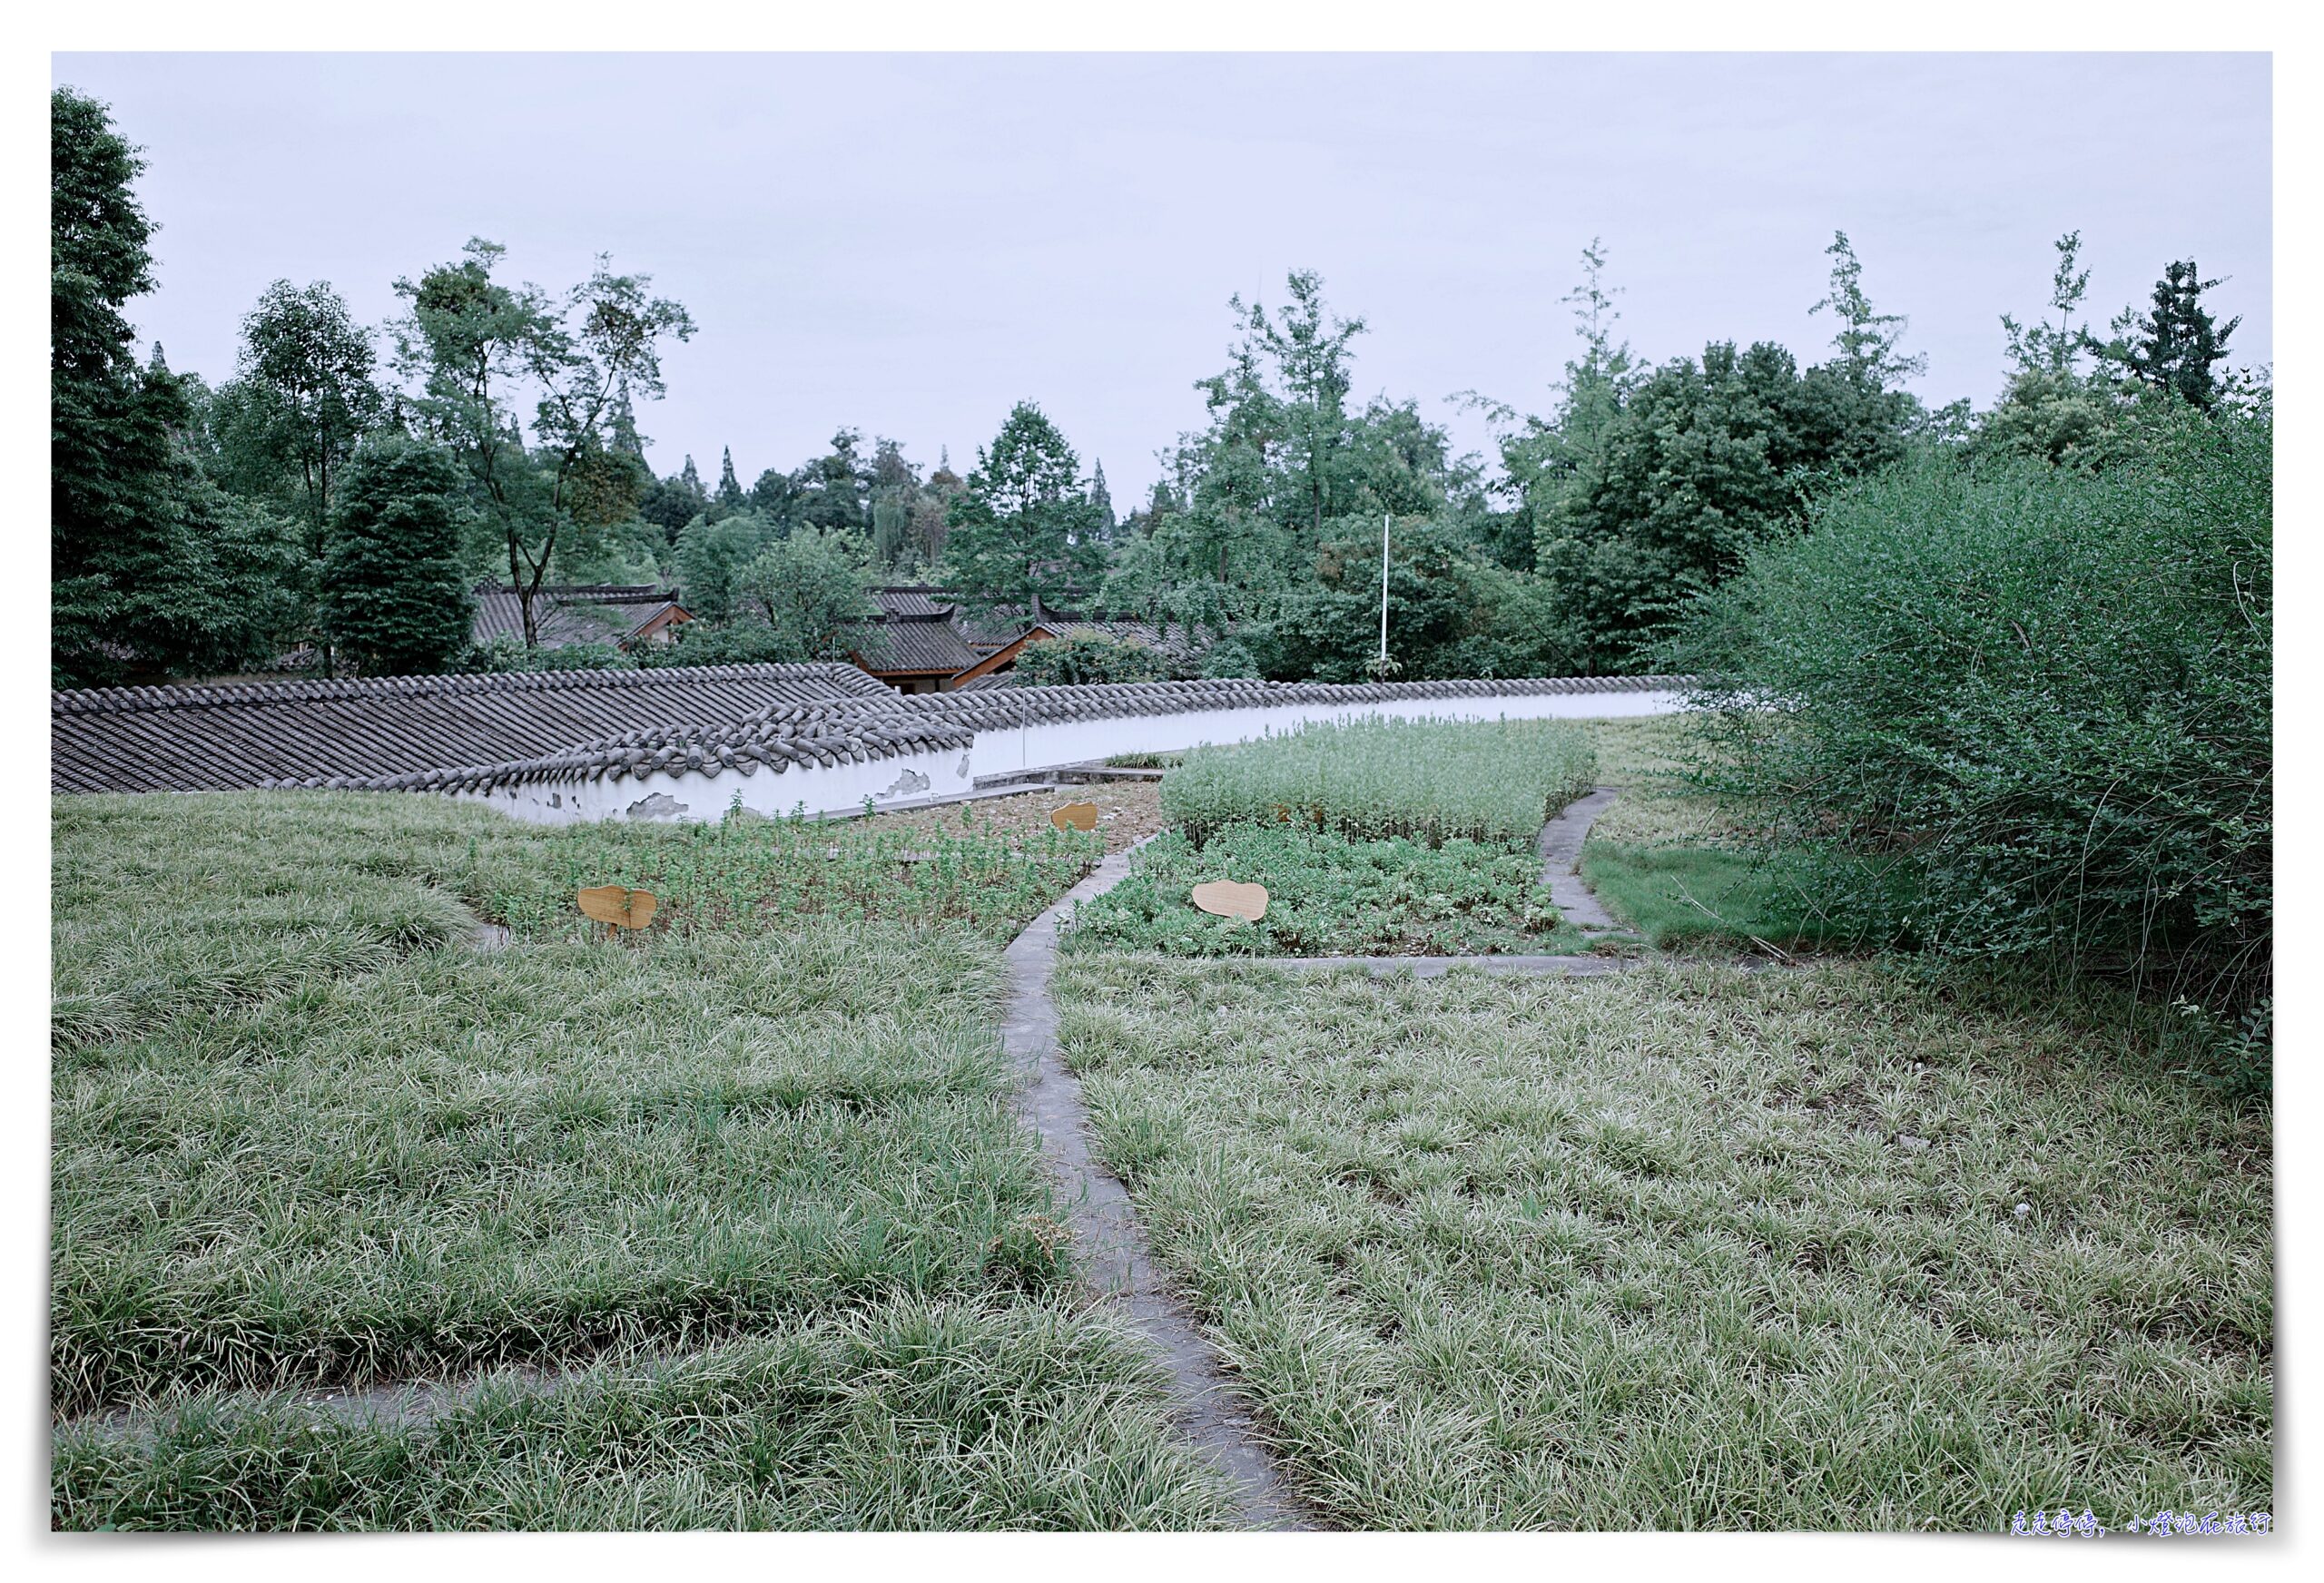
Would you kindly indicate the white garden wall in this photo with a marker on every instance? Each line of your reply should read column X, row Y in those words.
column 914, row 778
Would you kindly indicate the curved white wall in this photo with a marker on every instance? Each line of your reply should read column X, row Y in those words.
column 913, row 778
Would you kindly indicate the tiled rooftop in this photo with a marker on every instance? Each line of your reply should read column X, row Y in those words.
column 198, row 739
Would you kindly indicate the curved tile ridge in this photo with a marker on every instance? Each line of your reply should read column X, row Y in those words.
column 810, row 735
column 1034, row 705
column 861, row 730
column 846, row 679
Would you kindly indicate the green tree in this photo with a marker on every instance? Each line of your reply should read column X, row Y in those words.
column 669, row 504
column 1087, row 658
column 152, row 567
column 813, row 591
column 711, row 558
column 2053, row 409
column 831, row 491
column 730, row 497
column 1308, row 347
column 480, row 349
column 1542, row 457
column 395, row 594
column 1866, row 340
column 1101, row 501
column 1704, row 459
column 303, row 394
column 1022, row 530
column 1441, row 601
column 2174, row 345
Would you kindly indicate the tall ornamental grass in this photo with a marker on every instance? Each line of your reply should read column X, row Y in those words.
column 2041, row 699
column 1428, row 781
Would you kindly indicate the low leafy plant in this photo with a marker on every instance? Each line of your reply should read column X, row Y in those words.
column 1327, row 896
column 1424, row 781
column 746, row 875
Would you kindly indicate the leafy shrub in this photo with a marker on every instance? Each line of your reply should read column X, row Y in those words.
column 507, row 652
column 1326, row 896
column 743, row 641
column 1426, row 780
column 2041, row 699
column 1087, row 657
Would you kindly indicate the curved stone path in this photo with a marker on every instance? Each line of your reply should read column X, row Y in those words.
column 1104, row 1221
column 1105, row 1227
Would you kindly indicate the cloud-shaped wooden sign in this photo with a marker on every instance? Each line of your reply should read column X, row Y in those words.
column 618, row 905
column 1075, row 816
column 1226, row 899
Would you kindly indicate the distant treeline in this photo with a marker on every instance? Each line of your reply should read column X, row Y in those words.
column 346, row 488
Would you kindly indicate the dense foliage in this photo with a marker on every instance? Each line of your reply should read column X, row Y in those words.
column 1024, row 531
column 152, row 566
column 2042, row 696
column 395, row 597
column 1424, row 781
column 1084, row 658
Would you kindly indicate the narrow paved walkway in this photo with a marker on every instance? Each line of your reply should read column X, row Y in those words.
column 1104, row 1224
column 1103, row 1219
column 1561, row 848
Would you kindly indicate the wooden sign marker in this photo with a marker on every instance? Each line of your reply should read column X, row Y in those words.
column 1226, row 899
column 617, row 907
column 1075, row 816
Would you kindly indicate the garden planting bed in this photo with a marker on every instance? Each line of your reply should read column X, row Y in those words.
column 1379, row 838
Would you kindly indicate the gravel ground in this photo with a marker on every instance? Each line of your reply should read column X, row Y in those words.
column 1128, row 812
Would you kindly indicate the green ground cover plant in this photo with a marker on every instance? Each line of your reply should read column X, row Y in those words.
column 903, row 1415
column 1685, row 872
column 1328, row 895
column 306, row 1132
column 748, row 874
column 1377, row 838
column 1834, row 1247
column 1375, row 780
column 2037, row 701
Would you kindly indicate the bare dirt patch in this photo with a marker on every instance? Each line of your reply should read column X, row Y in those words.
column 1127, row 812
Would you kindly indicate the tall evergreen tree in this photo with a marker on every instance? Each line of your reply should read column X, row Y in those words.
column 2174, row 344
column 1101, row 501
column 152, row 567
column 1022, row 532
column 2053, row 408
column 730, row 496
column 395, row 594
column 303, row 394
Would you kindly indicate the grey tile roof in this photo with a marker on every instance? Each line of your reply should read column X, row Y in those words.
column 198, row 739
column 922, row 644
column 913, row 600
column 856, row 733
column 566, row 614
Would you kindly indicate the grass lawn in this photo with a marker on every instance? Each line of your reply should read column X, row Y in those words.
column 1675, row 870
column 1825, row 1248
column 1005, row 1413
column 305, row 1134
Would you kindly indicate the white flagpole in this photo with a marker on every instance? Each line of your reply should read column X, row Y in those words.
column 1383, row 593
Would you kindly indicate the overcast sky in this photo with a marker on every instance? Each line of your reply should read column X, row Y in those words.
column 909, row 244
